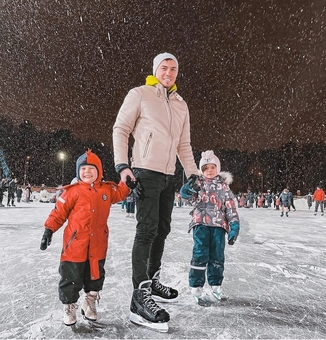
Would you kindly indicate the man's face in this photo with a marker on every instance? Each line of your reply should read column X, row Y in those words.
column 167, row 73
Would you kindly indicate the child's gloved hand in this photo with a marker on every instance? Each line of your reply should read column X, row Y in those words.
column 190, row 188
column 130, row 183
column 234, row 232
column 46, row 239
column 136, row 187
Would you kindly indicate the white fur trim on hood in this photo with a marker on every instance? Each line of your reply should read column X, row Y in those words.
column 227, row 176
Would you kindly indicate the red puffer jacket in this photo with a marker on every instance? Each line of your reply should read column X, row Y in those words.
column 87, row 208
column 319, row 195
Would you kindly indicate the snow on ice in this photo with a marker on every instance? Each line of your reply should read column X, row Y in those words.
column 274, row 275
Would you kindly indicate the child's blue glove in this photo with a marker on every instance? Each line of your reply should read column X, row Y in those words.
column 190, row 188
column 234, row 232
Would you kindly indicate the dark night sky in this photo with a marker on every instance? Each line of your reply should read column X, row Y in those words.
column 252, row 72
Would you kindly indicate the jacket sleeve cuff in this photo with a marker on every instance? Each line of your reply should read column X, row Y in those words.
column 120, row 167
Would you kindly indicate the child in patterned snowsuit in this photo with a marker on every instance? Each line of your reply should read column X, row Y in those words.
column 213, row 216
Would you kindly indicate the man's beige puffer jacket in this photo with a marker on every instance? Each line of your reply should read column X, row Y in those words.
column 160, row 127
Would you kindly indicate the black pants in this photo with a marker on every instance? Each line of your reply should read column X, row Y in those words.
column 153, row 223
column 11, row 197
column 74, row 277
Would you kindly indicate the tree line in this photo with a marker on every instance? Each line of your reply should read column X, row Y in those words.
column 33, row 156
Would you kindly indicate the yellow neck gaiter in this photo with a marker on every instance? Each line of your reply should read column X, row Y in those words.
column 151, row 81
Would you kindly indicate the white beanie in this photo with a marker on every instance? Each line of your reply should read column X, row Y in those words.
column 208, row 157
column 160, row 57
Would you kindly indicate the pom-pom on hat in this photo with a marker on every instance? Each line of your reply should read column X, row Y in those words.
column 160, row 57
column 89, row 158
column 208, row 157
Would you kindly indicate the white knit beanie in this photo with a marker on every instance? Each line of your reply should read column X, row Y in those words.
column 208, row 157
column 160, row 57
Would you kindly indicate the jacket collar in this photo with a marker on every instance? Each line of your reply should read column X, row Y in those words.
column 153, row 81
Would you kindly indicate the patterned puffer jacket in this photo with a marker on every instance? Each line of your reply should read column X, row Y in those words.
column 215, row 205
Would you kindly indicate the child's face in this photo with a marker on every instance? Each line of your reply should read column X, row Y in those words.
column 210, row 171
column 88, row 173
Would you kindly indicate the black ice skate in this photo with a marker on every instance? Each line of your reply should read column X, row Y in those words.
column 162, row 293
column 145, row 312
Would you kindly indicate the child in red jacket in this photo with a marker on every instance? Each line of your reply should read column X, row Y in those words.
column 86, row 205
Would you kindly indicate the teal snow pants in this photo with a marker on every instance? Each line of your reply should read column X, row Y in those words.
column 207, row 256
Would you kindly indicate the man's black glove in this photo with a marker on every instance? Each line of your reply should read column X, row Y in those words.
column 136, row 187
column 190, row 188
column 46, row 238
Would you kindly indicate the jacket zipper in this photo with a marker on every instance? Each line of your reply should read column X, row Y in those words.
column 147, row 144
column 71, row 238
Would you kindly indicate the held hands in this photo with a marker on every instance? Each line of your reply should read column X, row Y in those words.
column 136, row 187
column 125, row 173
column 234, row 232
column 190, row 188
column 46, row 239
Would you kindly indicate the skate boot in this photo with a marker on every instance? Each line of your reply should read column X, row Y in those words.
column 217, row 293
column 287, row 214
column 145, row 312
column 282, row 214
column 197, row 293
column 203, row 299
column 69, row 314
column 88, row 307
column 162, row 293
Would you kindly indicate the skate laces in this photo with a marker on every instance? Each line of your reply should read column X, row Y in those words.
column 149, row 302
column 158, row 285
column 70, row 308
column 91, row 300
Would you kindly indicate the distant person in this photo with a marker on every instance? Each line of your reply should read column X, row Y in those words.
column 214, row 216
column 2, row 190
column 12, row 188
column 285, row 202
column 269, row 199
column 123, row 205
column 130, row 206
column 28, row 193
column 309, row 200
column 250, row 199
column 158, row 119
column 19, row 193
column 44, row 195
column 318, row 197
column 291, row 200
column 86, row 205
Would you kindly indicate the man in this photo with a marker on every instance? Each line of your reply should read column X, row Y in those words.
column 158, row 119
column 318, row 197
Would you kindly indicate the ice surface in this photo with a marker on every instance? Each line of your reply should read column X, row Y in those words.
column 275, row 277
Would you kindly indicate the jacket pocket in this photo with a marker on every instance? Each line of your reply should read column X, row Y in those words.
column 73, row 237
column 147, row 145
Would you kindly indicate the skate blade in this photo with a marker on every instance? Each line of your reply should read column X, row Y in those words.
column 160, row 299
column 207, row 301
column 162, row 327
